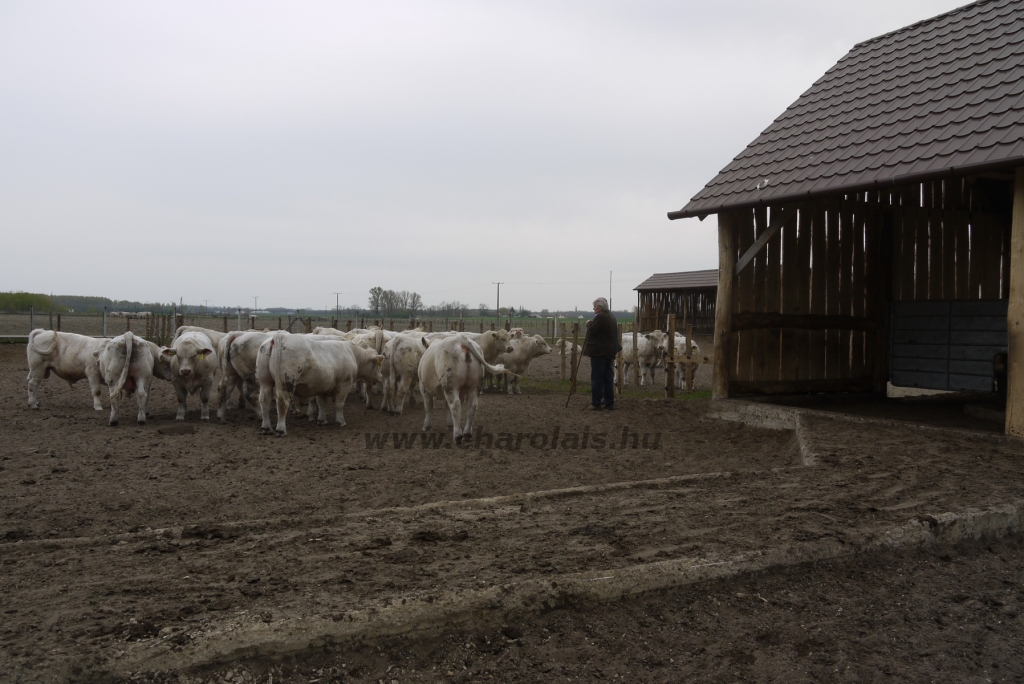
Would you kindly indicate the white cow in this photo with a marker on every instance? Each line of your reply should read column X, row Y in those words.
column 568, row 346
column 524, row 350
column 193, row 367
column 516, row 333
column 403, row 354
column 452, row 369
column 237, row 355
column 126, row 364
column 650, row 351
column 306, row 367
column 214, row 335
column 69, row 356
column 681, row 351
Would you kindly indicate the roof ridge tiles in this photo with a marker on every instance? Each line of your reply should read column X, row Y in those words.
column 926, row 22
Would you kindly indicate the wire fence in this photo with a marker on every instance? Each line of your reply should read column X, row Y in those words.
column 160, row 327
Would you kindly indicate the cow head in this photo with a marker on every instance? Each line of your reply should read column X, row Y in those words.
column 186, row 355
column 541, row 345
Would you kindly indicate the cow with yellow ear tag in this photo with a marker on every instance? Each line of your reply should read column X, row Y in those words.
column 193, row 367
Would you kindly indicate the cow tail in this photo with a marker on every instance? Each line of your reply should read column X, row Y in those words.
column 474, row 349
column 127, row 362
column 45, row 352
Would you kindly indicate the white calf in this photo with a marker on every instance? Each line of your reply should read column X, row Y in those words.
column 127, row 363
column 650, row 351
column 452, row 368
column 237, row 355
column 193, row 366
column 525, row 349
column 69, row 356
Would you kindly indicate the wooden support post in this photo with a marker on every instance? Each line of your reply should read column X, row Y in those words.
column 58, row 323
column 723, row 305
column 562, row 361
column 481, row 325
column 689, row 362
column 670, row 367
column 127, row 323
column 636, row 356
column 575, row 343
column 1015, row 315
column 618, row 365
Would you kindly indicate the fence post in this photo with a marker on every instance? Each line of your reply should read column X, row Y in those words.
column 225, row 323
column 104, row 321
column 51, row 319
column 670, row 368
column 636, row 358
column 127, row 323
column 492, row 328
column 618, row 363
column 31, row 318
column 689, row 354
column 562, row 360
column 58, row 323
column 575, row 342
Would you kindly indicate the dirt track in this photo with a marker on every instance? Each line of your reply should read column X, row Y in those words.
column 126, row 550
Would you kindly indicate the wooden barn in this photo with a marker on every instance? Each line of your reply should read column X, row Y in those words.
column 875, row 231
column 690, row 295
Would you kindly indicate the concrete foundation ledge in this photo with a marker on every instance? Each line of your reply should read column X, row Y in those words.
column 420, row 616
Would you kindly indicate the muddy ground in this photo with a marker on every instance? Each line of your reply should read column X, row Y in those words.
column 129, row 554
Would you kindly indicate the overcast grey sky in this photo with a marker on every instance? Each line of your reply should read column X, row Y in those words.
column 220, row 150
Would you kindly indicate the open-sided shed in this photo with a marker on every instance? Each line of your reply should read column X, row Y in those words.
column 875, row 231
column 690, row 295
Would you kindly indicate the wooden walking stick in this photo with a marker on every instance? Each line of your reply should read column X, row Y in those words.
column 575, row 371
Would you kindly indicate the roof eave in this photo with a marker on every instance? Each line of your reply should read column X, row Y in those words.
column 964, row 170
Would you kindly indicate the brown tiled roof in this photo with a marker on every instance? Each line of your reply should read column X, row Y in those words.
column 941, row 96
column 681, row 280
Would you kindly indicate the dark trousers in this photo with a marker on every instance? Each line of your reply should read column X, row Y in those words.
column 602, row 380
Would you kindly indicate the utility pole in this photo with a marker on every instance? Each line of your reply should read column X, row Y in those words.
column 337, row 304
column 497, row 309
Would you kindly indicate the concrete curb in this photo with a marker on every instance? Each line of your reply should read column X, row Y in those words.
column 419, row 617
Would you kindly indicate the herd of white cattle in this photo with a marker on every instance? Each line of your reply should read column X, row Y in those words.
column 275, row 370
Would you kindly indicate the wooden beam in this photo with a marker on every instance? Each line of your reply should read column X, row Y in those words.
column 1015, row 315
column 864, row 384
column 723, row 307
column 757, row 321
column 779, row 219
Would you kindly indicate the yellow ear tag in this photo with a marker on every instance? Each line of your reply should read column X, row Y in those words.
column 378, row 362
column 202, row 355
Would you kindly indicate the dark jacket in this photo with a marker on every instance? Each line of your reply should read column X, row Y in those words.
column 602, row 336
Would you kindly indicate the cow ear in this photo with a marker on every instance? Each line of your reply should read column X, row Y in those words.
column 648, row 335
column 208, row 351
column 425, row 341
column 167, row 351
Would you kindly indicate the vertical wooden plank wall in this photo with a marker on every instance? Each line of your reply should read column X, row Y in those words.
column 819, row 275
column 743, row 296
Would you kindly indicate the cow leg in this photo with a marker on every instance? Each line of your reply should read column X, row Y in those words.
column 283, row 400
column 115, row 408
column 428, row 406
column 339, row 404
column 35, row 376
column 204, row 397
column 311, row 409
column 182, row 394
column 243, row 391
column 143, row 401
column 223, row 395
column 92, row 374
column 471, row 401
column 324, row 405
column 401, row 391
column 455, row 413
column 266, row 392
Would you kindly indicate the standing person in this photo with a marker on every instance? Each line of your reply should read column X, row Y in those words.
column 601, row 344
